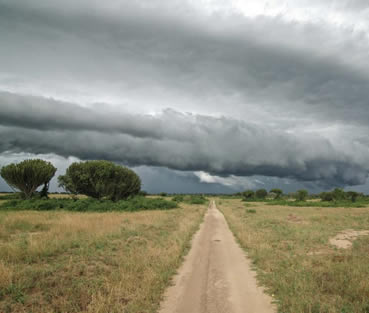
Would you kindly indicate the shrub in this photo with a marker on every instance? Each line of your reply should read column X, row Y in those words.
column 163, row 194
column 278, row 193
column 326, row 196
column 338, row 194
column 98, row 179
column 261, row 193
column 301, row 195
column 143, row 193
column 28, row 175
column 90, row 205
column 197, row 199
column 178, row 198
column 12, row 196
column 352, row 195
column 248, row 195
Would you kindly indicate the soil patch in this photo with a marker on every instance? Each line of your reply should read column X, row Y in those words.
column 344, row 239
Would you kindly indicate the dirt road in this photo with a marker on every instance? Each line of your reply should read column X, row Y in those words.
column 216, row 276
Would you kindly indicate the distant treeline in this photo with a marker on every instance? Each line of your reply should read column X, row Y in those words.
column 338, row 194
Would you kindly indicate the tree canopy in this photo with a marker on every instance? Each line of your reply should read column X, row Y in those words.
column 261, row 193
column 28, row 175
column 99, row 179
column 277, row 192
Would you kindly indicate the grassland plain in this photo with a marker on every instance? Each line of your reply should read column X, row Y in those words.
column 58, row 261
column 290, row 250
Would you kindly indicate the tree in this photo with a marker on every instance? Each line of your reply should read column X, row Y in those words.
column 353, row 195
column 261, row 194
column 278, row 192
column 248, row 195
column 339, row 194
column 302, row 195
column 326, row 196
column 28, row 175
column 99, row 179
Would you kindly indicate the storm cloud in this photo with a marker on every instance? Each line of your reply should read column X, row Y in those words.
column 225, row 88
column 186, row 142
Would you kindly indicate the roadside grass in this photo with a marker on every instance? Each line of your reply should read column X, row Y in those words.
column 290, row 249
column 58, row 261
column 89, row 205
column 360, row 203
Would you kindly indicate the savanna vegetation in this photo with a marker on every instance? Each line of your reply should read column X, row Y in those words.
column 290, row 250
column 104, row 247
column 59, row 261
column 301, row 198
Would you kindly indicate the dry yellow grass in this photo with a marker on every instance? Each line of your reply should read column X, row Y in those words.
column 294, row 259
column 65, row 196
column 91, row 262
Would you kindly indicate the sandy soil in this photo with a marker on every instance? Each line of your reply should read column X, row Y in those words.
column 344, row 239
column 216, row 276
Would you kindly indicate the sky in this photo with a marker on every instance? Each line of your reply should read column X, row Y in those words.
column 213, row 96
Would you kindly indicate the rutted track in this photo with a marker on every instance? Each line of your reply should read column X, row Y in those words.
column 216, row 276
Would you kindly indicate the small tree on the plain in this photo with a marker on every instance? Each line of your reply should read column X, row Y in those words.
column 302, row 195
column 261, row 193
column 28, row 176
column 248, row 195
column 339, row 194
column 353, row 195
column 326, row 196
column 278, row 193
column 99, row 179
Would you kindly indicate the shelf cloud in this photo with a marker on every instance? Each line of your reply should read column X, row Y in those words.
column 223, row 89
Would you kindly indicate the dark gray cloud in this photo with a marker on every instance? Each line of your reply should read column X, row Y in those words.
column 279, row 92
column 312, row 72
column 185, row 142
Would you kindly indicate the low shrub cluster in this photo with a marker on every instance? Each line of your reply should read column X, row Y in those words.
column 260, row 194
column 190, row 199
column 11, row 196
column 323, row 204
column 90, row 205
column 339, row 194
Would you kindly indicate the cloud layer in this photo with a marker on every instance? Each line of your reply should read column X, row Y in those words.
column 219, row 87
column 186, row 142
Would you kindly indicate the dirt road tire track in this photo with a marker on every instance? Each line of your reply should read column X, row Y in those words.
column 216, row 276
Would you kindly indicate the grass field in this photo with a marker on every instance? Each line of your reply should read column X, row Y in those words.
column 291, row 252
column 58, row 261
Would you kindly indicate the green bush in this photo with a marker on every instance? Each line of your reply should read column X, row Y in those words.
column 278, row 193
column 326, row 196
column 301, row 195
column 261, row 194
column 178, row 198
column 11, row 196
column 339, row 194
column 248, row 195
column 90, row 205
column 197, row 199
column 28, row 176
column 100, row 179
